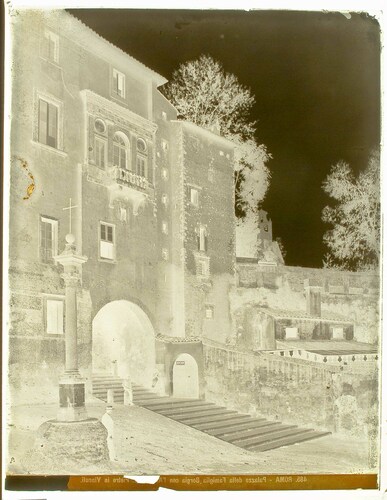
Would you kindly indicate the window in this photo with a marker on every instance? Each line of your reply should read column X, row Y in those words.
column 163, row 115
column 202, row 266
column 48, row 243
column 337, row 333
column 164, row 145
column 194, row 196
column 141, row 166
column 164, row 199
column 50, row 46
column 165, row 253
column 202, row 239
column 118, row 83
column 120, row 150
column 106, row 241
column 291, row 333
column 100, row 152
column 164, row 174
column 48, row 123
column 100, row 126
column 209, row 309
column 164, row 227
column 54, row 316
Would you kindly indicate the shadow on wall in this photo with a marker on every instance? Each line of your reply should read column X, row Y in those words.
column 123, row 342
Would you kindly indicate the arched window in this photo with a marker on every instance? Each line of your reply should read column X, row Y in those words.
column 121, row 151
column 141, row 159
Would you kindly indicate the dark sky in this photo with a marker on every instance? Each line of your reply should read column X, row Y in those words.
column 316, row 79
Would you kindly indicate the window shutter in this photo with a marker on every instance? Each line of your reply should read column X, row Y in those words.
column 52, row 125
column 54, row 316
column 43, row 117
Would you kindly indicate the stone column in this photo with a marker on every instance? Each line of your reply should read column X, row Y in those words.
column 71, row 385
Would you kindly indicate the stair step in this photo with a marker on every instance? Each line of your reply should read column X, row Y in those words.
column 268, row 437
column 169, row 403
column 144, row 397
column 152, row 403
column 236, row 437
column 234, row 419
column 202, row 414
column 213, row 420
column 289, row 440
column 232, row 430
column 189, row 410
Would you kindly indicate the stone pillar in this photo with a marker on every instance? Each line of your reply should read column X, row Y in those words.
column 71, row 385
column 313, row 291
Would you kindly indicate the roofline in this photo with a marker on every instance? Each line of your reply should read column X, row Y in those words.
column 205, row 132
column 117, row 51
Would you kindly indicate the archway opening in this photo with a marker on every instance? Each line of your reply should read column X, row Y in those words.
column 185, row 377
column 124, row 342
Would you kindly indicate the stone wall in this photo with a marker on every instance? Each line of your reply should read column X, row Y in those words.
column 353, row 296
column 292, row 391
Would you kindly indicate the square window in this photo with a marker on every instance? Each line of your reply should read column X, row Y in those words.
column 118, row 83
column 337, row 333
column 48, row 123
column 48, row 239
column 194, row 196
column 291, row 333
column 50, row 46
column 106, row 241
column 54, row 316
column 100, row 152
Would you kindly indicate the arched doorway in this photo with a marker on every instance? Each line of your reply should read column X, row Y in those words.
column 185, row 377
column 124, row 342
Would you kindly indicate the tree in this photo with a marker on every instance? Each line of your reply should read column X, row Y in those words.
column 354, row 241
column 206, row 95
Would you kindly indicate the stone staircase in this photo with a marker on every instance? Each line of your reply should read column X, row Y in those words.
column 253, row 434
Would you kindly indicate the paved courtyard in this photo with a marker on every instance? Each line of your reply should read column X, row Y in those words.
column 149, row 444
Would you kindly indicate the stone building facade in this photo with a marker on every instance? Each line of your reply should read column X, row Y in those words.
column 90, row 124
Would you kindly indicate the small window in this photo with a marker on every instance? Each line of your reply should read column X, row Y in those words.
column 48, row 123
column 141, row 145
column 165, row 253
column 266, row 229
column 50, row 46
column 106, row 241
column 164, row 174
column 164, row 227
column 209, row 311
column 100, row 126
column 203, row 267
column 123, row 214
column 48, row 241
column 164, row 199
column 202, row 239
column 118, row 83
column 54, row 316
column 291, row 333
column 100, row 152
column 164, row 145
column 194, row 196
column 163, row 115
column 120, row 150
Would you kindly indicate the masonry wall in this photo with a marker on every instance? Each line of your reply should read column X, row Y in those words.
column 208, row 168
column 353, row 296
column 294, row 392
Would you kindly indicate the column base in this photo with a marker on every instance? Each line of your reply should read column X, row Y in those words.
column 71, row 398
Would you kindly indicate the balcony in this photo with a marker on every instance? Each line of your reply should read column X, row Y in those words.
column 128, row 186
